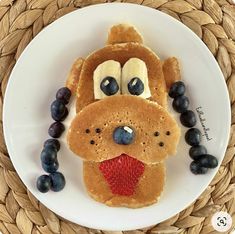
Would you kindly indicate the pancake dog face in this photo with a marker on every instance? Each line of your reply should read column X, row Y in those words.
column 155, row 132
column 122, row 120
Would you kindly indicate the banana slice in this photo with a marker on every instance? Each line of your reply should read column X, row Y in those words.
column 135, row 78
column 106, row 79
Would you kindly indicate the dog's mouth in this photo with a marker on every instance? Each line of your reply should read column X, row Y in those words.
column 122, row 173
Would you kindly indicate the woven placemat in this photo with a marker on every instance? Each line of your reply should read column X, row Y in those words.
column 21, row 20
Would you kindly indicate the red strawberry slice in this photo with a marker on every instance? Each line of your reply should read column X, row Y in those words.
column 122, row 174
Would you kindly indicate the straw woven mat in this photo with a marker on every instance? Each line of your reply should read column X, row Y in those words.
column 21, row 20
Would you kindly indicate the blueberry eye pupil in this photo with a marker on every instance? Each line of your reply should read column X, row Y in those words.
column 136, row 86
column 109, row 86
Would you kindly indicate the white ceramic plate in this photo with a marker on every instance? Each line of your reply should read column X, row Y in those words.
column 42, row 69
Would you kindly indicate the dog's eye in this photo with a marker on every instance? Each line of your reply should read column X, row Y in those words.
column 106, row 79
column 135, row 78
column 109, row 86
column 136, row 86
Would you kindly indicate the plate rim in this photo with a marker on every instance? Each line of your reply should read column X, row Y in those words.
column 170, row 18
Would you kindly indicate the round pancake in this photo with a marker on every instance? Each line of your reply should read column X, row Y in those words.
column 121, row 53
column 147, row 192
column 143, row 116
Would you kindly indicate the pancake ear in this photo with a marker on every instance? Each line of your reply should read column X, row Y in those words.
column 122, row 33
column 171, row 70
column 74, row 74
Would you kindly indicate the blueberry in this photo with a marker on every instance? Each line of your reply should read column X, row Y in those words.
column 57, row 108
column 208, row 161
column 50, row 168
column 123, row 135
column 43, row 183
column 193, row 136
column 49, row 155
column 196, row 168
column 180, row 104
column 196, row 151
column 109, row 86
column 63, row 94
column 136, row 86
column 65, row 114
column 188, row 119
column 60, row 118
column 56, row 129
column 58, row 181
column 52, row 142
column 177, row 89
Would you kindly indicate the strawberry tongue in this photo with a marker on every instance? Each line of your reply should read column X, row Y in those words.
column 122, row 174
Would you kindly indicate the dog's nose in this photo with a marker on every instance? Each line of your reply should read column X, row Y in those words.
column 123, row 135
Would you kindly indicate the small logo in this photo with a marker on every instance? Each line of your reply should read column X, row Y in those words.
column 221, row 221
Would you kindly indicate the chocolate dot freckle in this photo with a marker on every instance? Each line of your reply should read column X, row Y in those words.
column 98, row 130
column 156, row 134
column 161, row 144
column 92, row 142
column 87, row 130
